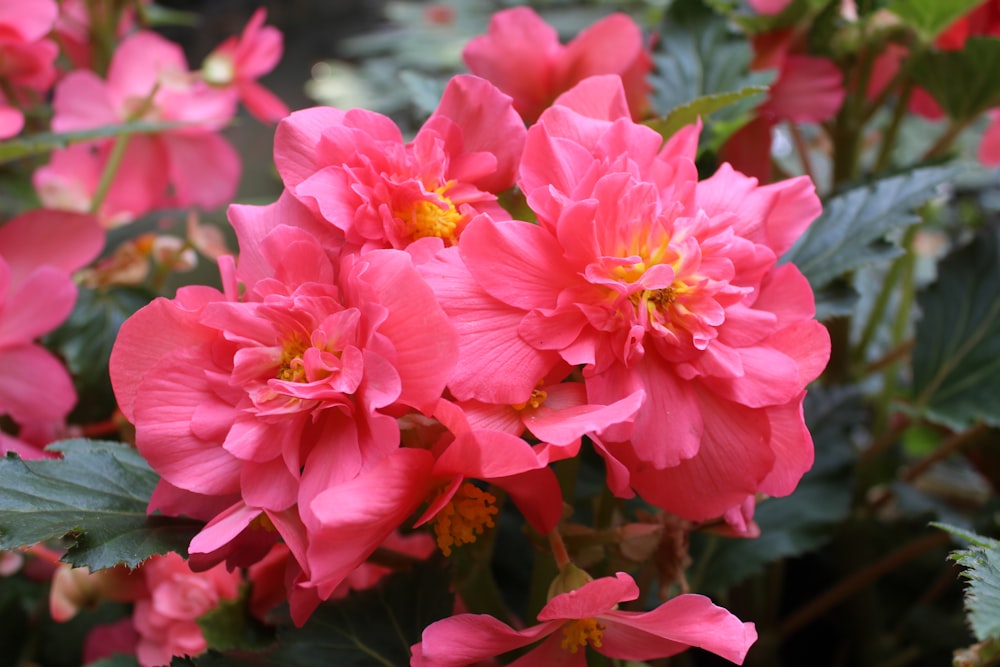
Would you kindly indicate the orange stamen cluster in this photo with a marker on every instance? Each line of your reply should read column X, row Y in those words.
column 430, row 218
column 291, row 368
column 580, row 632
column 464, row 518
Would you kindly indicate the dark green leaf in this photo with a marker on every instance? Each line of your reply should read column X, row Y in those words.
column 230, row 626
column 963, row 82
column 84, row 342
column 96, row 496
column 689, row 113
column 704, row 59
column 800, row 522
column 38, row 144
column 931, row 17
column 850, row 232
column 956, row 361
column 982, row 594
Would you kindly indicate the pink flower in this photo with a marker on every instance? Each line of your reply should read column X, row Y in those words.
column 239, row 62
column 148, row 80
column 353, row 169
column 586, row 616
column 769, row 6
column 38, row 251
column 347, row 521
column 522, row 56
column 651, row 281
column 167, row 619
column 254, row 405
column 27, row 58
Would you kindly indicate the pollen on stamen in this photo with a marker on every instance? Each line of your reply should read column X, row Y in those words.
column 580, row 632
column 291, row 367
column 538, row 396
column 428, row 218
column 465, row 517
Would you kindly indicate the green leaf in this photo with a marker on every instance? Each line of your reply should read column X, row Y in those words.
column 230, row 626
column 982, row 594
column 689, row 113
column 39, row 144
column 851, row 231
column 702, row 59
column 84, row 342
column 956, row 361
column 931, row 17
column 800, row 522
column 95, row 496
column 963, row 82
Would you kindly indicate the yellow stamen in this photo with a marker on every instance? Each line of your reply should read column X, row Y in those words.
column 428, row 218
column 262, row 522
column 464, row 517
column 291, row 368
column 581, row 631
column 538, row 396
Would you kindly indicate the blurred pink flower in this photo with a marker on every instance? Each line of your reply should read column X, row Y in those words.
column 148, row 80
column 167, row 618
column 590, row 616
column 522, row 56
column 769, row 6
column 38, row 252
column 353, row 169
column 238, row 62
column 27, row 58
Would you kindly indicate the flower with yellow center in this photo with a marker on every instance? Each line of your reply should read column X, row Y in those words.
column 579, row 633
column 429, row 217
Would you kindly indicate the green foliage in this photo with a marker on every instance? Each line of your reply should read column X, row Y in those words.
column 372, row 628
column 41, row 144
column 851, row 231
column 956, row 361
column 689, row 113
column 701, row 64
column 982, row 594
column 803, row 521
column 963, row 82
column 931, row 17
column 230, row 626
column 84, row 342
column 96, row 497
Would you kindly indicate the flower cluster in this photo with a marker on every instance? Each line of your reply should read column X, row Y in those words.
column 393, row 349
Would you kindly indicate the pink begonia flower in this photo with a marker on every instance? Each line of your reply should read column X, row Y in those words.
column 109, row 639
column 38, row 252
column 522, row 56
column 255, row 404
column 353, row 169
column 238, row 62
column 347, row 521
column 167, row 618
column 651, row 280
column 73, row 27
column 148, row 80
column 589, row 615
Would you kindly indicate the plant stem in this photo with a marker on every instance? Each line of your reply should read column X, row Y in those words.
column 857, row 581
column 108, row 175
column 946, row 139
column 889, row 138
column 802, row 148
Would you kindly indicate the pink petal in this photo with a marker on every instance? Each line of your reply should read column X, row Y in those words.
column 262, row 104
column 140, row 62
column 567, row 424
column 594, row 598
column 46, row 395
column 792, row 446
column 37, row 306
column 67, row 241
column 82, row 102
column 204, row 168
column 989, row 143
column 488, row 123
column 466, row 639
column 613, row 45
column 683, row 621
column 11, row 122
column 31, row 20
column 296, row 139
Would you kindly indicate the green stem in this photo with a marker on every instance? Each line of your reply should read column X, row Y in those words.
column 946, row 139
column 889, row 138
column 108, row 175
column 802, row 148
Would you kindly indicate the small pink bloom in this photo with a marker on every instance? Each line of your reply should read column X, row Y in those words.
column 148, row 80
column 239, row 62
column 353, row 169
column 167, row 619
column 769, row 6
column 522, row 56
column 571, row 621
column 27, row 58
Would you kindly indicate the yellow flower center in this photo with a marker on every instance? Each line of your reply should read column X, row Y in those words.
column 263, row 522
column 538, row 396
column 431, row 218
column 464, row 517
column 580, row 632
column 292, row 368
